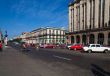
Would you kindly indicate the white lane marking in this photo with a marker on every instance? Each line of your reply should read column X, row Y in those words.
column 61, row 57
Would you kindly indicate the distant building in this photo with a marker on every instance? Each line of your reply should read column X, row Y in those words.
column 46, row 35
column 89, row 22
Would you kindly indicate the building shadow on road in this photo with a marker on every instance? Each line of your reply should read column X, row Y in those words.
column 98, row 71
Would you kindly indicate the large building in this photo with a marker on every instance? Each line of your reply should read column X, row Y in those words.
column 89, row 22
column 45, row 36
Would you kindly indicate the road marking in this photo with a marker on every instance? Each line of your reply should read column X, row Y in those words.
column 61, row 57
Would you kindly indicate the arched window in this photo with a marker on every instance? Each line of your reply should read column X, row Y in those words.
column 78, row 39
column 72, row 39
column 100, row 38
column 91, row 39
column 84, row 39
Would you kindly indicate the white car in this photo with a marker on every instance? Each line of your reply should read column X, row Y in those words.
column 96, row 48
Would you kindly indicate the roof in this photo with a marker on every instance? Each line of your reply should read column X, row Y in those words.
column 73, row 2
column 43, row 28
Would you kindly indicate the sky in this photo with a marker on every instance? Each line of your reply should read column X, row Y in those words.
column 17, row 16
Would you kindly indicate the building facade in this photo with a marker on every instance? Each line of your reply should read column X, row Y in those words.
column 46, row 36
column 89, row 22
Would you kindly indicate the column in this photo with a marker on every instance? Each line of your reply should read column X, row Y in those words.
column 101, row 13
column 74, row 38
column 70, row 19
column 88, row 14
column 75, row 17
column 72, row 14
column 80, row 38
column 81, row 15
column 78, row 17
column 109, row 13
column 92, row 15
column 106, row 17
column 69, row 39
column 96, row 37
column 84, row 17
column 105, row 38
column 96, row 14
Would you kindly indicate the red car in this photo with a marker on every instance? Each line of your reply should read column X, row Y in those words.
column 50, row 46
column 76, row 47
column 0, row 46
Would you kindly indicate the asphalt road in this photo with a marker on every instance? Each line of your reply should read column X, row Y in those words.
column 52, row 62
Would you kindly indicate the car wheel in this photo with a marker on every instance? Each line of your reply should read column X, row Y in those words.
column 89, row 51
column 69, row 48
column 106, row 51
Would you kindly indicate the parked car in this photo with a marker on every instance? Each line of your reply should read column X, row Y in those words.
column 69, row 45
column 76, row 47
column 62, row 46
column 50, row 46
column 42, row 45
column 96, row 48
column 47, row 46
column 1, row 47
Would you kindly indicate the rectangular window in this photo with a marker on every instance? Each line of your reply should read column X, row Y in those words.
column 49, row 31
column 97, row 45
column 90, row 14
column 99, row 12
column 92, row 45
column 103, row 13
column 93, row 13
column 79, row 18
column 83, row 16
column 71, row 20
column 57, row 32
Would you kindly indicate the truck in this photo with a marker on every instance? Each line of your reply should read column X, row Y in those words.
column 96, row 48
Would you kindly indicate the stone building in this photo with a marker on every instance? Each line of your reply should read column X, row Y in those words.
column 89, row 22
column 46, row 36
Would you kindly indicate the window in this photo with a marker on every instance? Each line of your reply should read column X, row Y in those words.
column 99, row 12
column 83, row 16
column 92, row 45
column 49, row 31
column 93, row 13
column 97, row 45
column 103, row 13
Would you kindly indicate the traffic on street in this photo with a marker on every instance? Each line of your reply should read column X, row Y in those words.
column 52, row 61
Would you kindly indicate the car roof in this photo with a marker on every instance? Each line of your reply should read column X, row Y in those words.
column 94, row 44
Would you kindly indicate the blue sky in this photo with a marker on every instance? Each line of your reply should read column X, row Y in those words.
column 17, row 16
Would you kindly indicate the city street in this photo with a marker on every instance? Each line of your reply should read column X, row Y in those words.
column 52, row 62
